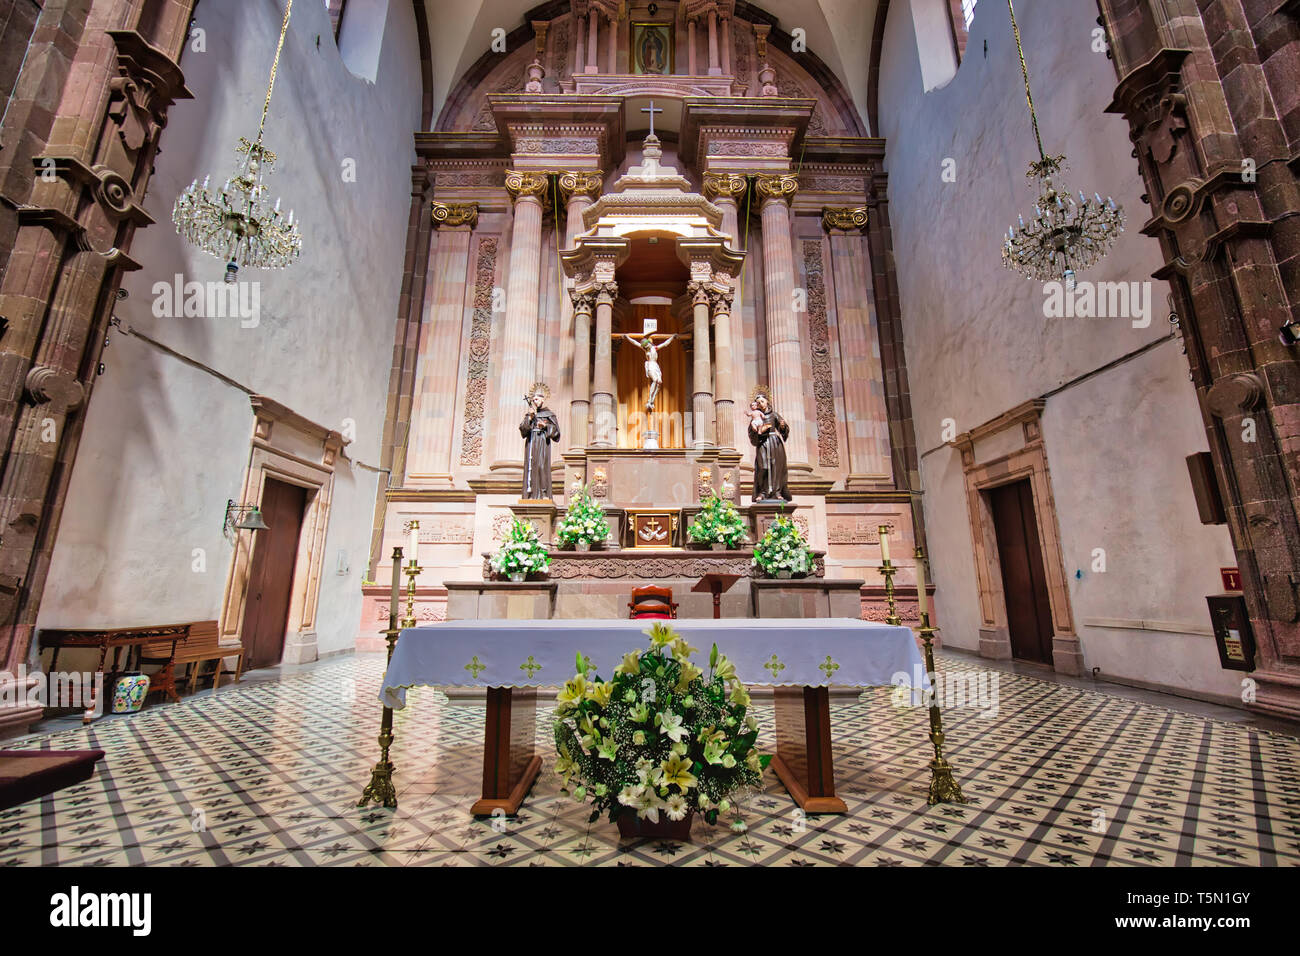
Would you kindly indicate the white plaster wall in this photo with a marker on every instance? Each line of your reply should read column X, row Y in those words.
column 165, row 443
column 977, row 342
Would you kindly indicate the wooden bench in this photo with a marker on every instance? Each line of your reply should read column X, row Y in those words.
column 204, row 645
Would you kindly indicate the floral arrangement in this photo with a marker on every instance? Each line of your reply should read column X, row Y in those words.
column 783, row 549
column 584, row 522
column 717, row 521
column 660, row 737
column 521, row 552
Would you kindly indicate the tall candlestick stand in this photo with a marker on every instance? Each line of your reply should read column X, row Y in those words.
column 943, row 788
column 888, row 570
column 381, row 789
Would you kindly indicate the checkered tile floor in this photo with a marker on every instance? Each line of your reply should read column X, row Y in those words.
column 268, row 774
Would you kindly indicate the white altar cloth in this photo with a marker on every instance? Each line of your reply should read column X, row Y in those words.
column 799, row 652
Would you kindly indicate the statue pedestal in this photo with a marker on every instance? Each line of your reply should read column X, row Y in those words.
column 540, row 513
column 763, row 513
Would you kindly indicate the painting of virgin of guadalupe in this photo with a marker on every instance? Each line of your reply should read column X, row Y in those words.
column 652, row 48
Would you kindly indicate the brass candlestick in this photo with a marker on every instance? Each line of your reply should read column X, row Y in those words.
column 943, row 788
column 412, row 570
column 381, row 789
column 888, row 570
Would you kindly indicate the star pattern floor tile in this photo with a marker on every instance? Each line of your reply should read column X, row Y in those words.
column 267, row 773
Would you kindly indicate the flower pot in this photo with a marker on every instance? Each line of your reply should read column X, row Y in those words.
column 518, row 576
column 632, row 826
column 719, row 546
column 582, row 545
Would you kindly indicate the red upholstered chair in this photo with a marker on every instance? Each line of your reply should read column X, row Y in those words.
column 652, row 602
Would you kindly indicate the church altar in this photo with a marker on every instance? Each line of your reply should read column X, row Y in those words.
column 801, row 658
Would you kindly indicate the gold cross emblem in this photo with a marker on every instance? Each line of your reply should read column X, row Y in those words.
column 474, row 666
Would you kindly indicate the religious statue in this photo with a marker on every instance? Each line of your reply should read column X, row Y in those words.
column 539, row 428
column 647, row 343
column 767, row 433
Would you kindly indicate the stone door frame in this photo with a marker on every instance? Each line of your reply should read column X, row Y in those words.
column 277, row 453
column 1027, row 462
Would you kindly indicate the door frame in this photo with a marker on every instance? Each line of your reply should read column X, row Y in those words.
column 1018, row 436
column 281, row 453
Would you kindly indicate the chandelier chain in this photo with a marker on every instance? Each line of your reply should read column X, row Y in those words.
column 275, row 66
column 1024, row 71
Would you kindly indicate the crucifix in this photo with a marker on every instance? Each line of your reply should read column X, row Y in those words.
column 652, row 111
column 650, row 343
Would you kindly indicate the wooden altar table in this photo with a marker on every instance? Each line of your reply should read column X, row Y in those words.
column 799, row 657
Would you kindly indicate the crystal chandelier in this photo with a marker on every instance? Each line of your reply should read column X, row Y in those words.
column 237, row 223
column 1064, row 235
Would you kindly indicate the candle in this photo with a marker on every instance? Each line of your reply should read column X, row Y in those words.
column 884, row 543
column 413, row 543
column 921, row 606
column 397, row 582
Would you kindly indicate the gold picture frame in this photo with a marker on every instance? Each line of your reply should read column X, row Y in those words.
column 652, row 48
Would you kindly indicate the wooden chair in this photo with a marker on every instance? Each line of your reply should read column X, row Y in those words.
column 204, row 645
column 652, row 601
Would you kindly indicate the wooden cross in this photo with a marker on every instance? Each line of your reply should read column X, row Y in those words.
column 652, row 111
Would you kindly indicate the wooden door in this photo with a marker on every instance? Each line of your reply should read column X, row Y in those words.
column 1029, row 611
column 270, row 580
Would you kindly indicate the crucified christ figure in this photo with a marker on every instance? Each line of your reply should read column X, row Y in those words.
column 651, row 344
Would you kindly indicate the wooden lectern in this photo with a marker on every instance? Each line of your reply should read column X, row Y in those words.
column 717, row 583
column 510, row 763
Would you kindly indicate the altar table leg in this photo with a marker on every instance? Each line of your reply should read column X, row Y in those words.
column 510, row 764
column 803, row 748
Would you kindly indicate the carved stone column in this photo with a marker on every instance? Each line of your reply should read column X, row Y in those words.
column 715, row 69
column 579, row 189
column 726, row 190
column 519, row 331
column 438, row 362
column 580, row 35
column 722, row 296
column 580, row 408
column 726, row 46
column 1211, row 109
column 602, row 399
column 702, row 379
column 613, row 44
column 866, row 418
column 690, row 46
column 784, row 348
column 594, row 19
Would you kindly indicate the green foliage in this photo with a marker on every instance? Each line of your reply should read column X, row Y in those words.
column 583, row 521
column 521, row 551
column 782, row 548
column 660, row 736
column 717, row 521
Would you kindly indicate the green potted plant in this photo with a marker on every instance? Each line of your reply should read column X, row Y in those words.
column 583, row 524
column 521, row 553
column 718, row 523
column 659, row 741
column 782, row 551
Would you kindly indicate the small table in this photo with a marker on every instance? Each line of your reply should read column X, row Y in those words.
column 716, row 582
column 118, row 638
column 512, row 658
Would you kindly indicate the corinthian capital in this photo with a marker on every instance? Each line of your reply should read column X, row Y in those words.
column 606, row 292
column 521, row 184
column 844, row 217
column 455, row 214
column 581, row 183
column 780, row 186
column 724, row 186
column 583, row 301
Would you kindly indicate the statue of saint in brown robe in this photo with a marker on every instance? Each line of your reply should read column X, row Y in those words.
column 767, row 433
column 539, row 428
